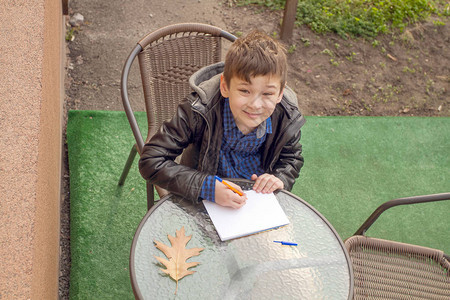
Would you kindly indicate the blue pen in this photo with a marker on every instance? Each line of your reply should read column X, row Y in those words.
column 286, row 243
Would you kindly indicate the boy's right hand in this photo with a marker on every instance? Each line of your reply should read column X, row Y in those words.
column 226, row 197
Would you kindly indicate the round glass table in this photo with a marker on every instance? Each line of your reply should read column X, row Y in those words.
column 251, row 267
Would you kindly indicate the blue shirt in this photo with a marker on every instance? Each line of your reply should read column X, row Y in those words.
column 240, row 155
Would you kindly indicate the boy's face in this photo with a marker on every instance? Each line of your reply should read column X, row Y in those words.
column 252, row 102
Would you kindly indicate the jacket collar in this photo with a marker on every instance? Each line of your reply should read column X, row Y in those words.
column 206, row 81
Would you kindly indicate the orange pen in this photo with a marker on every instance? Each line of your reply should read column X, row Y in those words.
column 229, row 186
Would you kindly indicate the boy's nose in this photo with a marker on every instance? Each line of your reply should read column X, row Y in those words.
column 256, row 102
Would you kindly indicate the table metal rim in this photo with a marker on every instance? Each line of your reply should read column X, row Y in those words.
column 134, row 285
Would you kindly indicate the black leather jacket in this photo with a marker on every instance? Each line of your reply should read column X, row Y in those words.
column 197, row 130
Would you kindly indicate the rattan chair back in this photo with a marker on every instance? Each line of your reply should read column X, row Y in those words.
column 391, row 270
column 167, row 60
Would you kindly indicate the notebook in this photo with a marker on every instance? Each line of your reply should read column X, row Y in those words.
column 261, row 212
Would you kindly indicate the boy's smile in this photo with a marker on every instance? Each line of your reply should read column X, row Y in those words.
column 252, row 102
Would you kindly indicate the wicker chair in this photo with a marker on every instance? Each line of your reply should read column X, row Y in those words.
column 167, row 58
column 386, row 269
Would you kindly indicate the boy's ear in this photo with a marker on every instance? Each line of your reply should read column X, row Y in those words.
column 223, row 87
column 280, row 96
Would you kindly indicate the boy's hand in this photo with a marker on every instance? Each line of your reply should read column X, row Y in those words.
column 266, row 183
column 226, row 197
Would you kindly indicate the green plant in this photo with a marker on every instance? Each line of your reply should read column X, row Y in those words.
column 350, row 57
column 387, row 93
column 408, row 70
column 292, row 48
column 70, row 34
column 305, row 41
column 365, row 18
column 429, row 86
column 334, row 62
column 328, row 52
column 367, row 107
column 438, row 23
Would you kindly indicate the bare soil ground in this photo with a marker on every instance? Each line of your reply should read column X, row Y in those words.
column 400, row 74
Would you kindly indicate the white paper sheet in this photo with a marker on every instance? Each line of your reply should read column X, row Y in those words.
column 261, row 212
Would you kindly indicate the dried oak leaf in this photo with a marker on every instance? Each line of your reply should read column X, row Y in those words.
column 177, row 267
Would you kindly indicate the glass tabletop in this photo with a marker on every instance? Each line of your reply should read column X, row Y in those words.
column 252, row 267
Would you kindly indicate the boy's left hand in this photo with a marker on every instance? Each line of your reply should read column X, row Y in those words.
column 266, row 183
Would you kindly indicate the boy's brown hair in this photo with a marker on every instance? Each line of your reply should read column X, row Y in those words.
column 254, row 55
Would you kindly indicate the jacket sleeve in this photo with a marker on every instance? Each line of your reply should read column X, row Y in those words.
column 290, row 161
column 157, row 162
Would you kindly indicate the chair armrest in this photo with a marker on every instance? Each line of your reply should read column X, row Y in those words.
column 126, row 103
column 396, row 202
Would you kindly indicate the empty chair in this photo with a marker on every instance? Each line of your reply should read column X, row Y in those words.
column 385, row 269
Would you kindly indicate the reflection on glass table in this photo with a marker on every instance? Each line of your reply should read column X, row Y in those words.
column 252, row 267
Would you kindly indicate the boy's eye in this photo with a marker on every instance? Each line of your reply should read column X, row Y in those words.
column 268, row 94
column 244, row 91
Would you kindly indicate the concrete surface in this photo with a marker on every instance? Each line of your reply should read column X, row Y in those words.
column 31, row 93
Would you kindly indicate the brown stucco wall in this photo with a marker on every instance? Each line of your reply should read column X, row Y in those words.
column 31, row 98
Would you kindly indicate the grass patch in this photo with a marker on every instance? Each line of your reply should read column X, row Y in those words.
column 365, row 18
column 352, row 165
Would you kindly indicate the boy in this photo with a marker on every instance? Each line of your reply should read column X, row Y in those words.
column 241, row 122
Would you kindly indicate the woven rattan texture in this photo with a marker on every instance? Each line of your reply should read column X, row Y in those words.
column 390, row 270
column 166, row 66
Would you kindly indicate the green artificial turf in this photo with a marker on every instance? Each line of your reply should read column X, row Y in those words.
column 352, row 165
column 103, row 215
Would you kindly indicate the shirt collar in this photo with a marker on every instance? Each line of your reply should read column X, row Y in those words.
column 229, row 123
